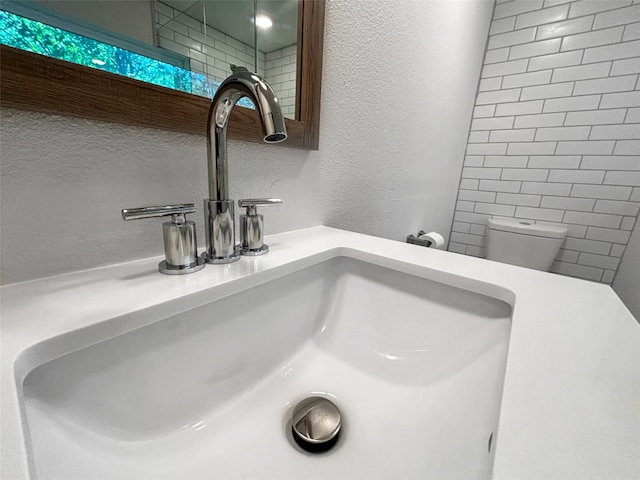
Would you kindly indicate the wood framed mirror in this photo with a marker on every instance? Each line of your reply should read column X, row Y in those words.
column 34, row 82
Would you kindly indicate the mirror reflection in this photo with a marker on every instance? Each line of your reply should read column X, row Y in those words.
column 183, row 44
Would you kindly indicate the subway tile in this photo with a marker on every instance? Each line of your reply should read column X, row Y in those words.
column 495, row 209
column 502, row 25
column 474, row 172
column 478, row 137
column 553, row 161
column 627, row 147
column 568, row 203
column 484, row 111
column 552, row 3
column 526, row 79
column 586, row 7
column 518, row 199
column 473, row 161
column 562, row 133
column 617, row 207
column 581, row 72
column 608, row 276
column 475, row 251
column 555, row 60
column 539, row 213
column 591, row 246
column 497, row 55
column 540, row 17
column 515, row 8
column 478, row 229
column 488, row 84
column 633, row 116
column 500, row 96
column 470, row 217
column 173, row 46
column 575, row 231
column 611, row 52
column 561, row 29
column 467, row 239
column 628, row 223
column 593, row 219
column 543, row 188
column 477, row 196
column 601, row 191
column 615, row 132
column 511, row 38
column 487, row 149
column 625, row 99
column 521, row 135
column 554, row 90
column 497, row 123
column 513, row 161
column 599, row 261
column 541, row 120
column 617, row 250
column 605, row 85
column 504, row 68
column 531, row 148
column 469, row 184
column 591, row 147
column 568, row 104
column 592, row 39
column 631, row 32
column 576, row 176
column 625, row 67
column 631, row 162
column 595, row 117
column 462, row 206
column 567, row 256
column 622, row 178
column 457, row 247
column 535, row 49
column 577, row 271
column 500, row 186
column 520, row 108
column 525, row 174
column 615, row 17
column 460, row 227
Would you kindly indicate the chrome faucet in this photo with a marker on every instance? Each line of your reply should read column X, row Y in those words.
column 219, row 215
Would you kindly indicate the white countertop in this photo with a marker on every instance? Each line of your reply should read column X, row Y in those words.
column 571, row 402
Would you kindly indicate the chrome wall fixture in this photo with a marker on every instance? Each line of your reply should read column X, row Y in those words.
column 219, row 217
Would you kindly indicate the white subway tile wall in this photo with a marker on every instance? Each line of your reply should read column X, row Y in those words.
column 214, row 53
column 555, row 136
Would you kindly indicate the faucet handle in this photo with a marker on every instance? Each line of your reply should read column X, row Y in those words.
column 158, row 211
column 179, row 235
column 251, row 204
column 251, row 225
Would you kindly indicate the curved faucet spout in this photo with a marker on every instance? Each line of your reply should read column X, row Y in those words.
column 239, row 84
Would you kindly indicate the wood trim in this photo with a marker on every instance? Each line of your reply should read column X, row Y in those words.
column 34, row 82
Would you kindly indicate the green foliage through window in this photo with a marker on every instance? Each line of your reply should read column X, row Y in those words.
column 20, row 32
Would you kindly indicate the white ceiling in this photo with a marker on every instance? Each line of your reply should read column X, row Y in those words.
column 235, row 18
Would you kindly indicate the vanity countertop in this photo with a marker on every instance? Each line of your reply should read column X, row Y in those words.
column 571, row 401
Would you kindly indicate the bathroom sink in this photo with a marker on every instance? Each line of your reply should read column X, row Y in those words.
column 415, row 366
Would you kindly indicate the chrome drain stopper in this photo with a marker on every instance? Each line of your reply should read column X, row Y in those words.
column 316, row 424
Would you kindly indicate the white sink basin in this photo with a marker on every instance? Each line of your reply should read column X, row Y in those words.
column 415, row 366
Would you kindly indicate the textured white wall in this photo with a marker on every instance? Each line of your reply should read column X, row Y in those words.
column 627, row 281
column 399, row 84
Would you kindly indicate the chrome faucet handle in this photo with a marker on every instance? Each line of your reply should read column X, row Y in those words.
column 179, row 235
column 252, row 225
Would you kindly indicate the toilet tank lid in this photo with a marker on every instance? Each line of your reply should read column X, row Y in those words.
column 526, row 228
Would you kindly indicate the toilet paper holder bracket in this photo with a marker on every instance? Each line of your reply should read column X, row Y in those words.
column 414, row 239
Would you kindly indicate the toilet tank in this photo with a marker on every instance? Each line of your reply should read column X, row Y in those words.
column 523, row 243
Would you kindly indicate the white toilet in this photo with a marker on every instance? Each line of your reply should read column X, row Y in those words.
column 526, row 244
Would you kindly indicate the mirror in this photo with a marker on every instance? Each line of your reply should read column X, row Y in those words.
column 293, row 69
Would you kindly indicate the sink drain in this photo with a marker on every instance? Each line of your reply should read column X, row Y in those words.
column 315, row 424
